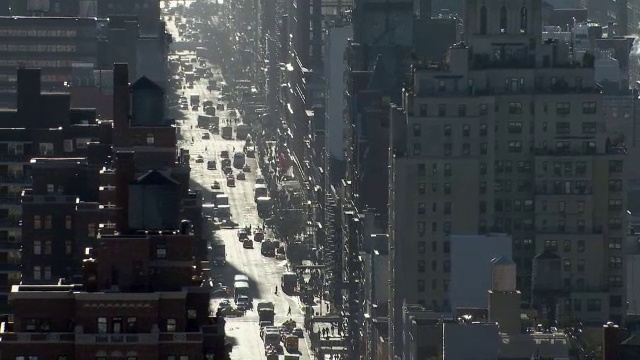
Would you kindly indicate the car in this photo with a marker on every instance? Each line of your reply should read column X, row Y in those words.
column 243, row 235
column 231, row 181
column 232, row 113
column 227, row 170
column 246, row 168
column 298, row 332
column 241, row 176
column 247, row 244
column 199, row 159
column 195, row 108
column 184, row 107
column 224, row 154
column 206, row 136
column 216, row 185
column 211, row 165
column 220, row 107
column 260, row 181
column 258, row 236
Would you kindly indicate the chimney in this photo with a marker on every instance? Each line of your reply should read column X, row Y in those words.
column 121, row 105
column 125, row 173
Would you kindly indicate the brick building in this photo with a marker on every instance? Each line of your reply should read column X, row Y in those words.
column 42, row 125
column 140, row 300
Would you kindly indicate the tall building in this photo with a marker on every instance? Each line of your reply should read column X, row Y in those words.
column 506, row 135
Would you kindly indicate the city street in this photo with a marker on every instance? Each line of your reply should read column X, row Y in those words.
column 264, row 273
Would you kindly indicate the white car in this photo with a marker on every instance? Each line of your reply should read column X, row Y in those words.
column 260, row 181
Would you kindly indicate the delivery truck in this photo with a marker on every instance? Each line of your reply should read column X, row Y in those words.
column 219, row 252
column 266, row 313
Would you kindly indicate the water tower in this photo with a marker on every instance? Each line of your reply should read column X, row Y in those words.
column 546, row 284
column 504, row 298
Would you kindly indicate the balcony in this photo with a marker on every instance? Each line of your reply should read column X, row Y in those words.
column 37, row 337
column 146, row 338
column 14, row 158
column 181, row 337
column 10, row 222
column 15, row 179
column 10, row 200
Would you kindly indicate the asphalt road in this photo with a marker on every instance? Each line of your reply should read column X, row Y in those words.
column 264, row 273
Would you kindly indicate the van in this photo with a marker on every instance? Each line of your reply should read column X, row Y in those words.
column 241, row 277
column 259, row 190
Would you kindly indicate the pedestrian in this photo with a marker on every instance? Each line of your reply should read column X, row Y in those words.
column 332, row 329
column 289, row 313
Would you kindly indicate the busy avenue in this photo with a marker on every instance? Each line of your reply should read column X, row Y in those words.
column 224, row 168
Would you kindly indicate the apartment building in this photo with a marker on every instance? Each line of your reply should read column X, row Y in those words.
column 44, row 125
column 50, row 43
column 508, row 136
column 140, row 299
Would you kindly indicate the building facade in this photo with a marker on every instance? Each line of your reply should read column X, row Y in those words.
column 508, row 136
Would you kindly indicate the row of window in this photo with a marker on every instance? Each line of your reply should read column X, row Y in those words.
column 37, row 33
column 514, row 108
column 593, row 305
column 39, row 249
column 48, row 220
column 37, row 63
column 59, row 48
column 44, row 77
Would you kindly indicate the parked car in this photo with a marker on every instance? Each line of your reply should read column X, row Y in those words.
column 241, row 176
column 216, row 185
column 246, row 168
column 247, row 244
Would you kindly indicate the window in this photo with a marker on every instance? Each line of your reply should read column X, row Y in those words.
column 423, row 110
column 447, row 188
column 503, row 20
column 515, row 146
column 422, row 170
column 551, row 245
column 483, row 129
column 67, row 145
column 514, row 127
column 421, row 228
column 116, row 325
column 561, row 207
column 421, row 286
column 37, row 247
column 589, row 128
column 47, row 272
column 37, row 272
column 447, row 227
column 51, row 188
column 447, row 170
column 567, row 246
column 563, row 108
column 46, row 148
column 47, row 222
column 466, row 130
column 47, row 247
column 68, row 247
column 614, row 224
column 462, row 110
column 615, row 243
column 523, row 20
column 483, row 148
column 132, row 324
column 615, row 166
column 417, row 149
column 483, row 20
column 37, row 222
column 67, row 222
column 417, row 130
column 150, row 139
column 581, row 246
column 447, row 149
column 589, row 107
column 615, row 205
column 581, row 168
column 447, row 208
column 421, row 247
column 615, row 262
column 515, row 108
column 161, row 252
column 447, row 130
column 580, row 265
column 422, row 188
column 442, row 110
column 446, row 266
column 102, row 325
column 171, row 325
column 615, row 185
column 563, row 128
column 594, row 305
column 91, row 230
column 566, row 264
column 483, row 168
column 421, row 266
column 442, row 85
